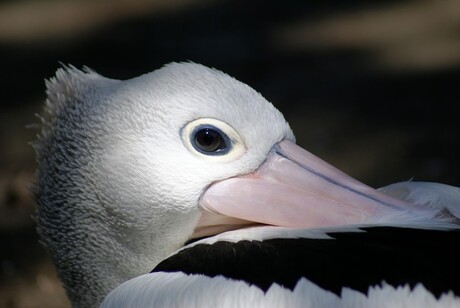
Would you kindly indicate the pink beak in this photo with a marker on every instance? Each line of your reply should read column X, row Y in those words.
column 293, row 188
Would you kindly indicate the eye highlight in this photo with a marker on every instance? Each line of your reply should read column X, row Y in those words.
column 210, row 140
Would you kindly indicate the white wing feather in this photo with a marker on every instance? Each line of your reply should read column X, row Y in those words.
column 181, row 290
column 427, row 194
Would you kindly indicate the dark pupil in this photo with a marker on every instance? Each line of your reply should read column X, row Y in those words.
column 209, row 140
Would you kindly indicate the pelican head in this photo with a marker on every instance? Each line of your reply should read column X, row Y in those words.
column 130, row 170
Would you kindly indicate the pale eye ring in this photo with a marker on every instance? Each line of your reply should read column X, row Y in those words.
column 209, row 140
column 213, row 139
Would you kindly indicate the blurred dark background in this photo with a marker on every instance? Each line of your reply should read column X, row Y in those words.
column 370, row 86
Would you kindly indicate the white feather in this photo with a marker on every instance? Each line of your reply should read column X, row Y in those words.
column 108, row 206
column 427, row 194
column 193, row 291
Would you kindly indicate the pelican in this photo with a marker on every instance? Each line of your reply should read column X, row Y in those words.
column 184, row 187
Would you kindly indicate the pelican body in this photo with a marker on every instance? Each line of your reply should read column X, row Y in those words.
column 184, row 187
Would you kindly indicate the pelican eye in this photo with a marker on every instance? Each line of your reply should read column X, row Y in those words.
column 210, row 140
column 213, row 140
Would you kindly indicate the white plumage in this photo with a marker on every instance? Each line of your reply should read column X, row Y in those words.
column 130, row 170
column 180, row 290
